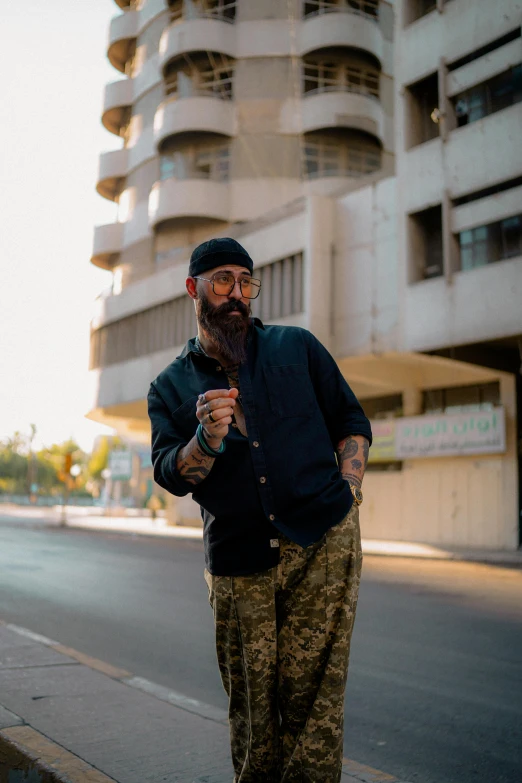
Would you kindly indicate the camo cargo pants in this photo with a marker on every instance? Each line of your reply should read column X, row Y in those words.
column 283, row 643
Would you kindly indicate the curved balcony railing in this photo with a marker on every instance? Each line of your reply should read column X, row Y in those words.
column 123, row 32
column 112, row 170
column 186, row 198
column 197, row 35
column 107, row 245
column 199, row 113
column 367, row 8
column 343, row 109
column 117, row 101
column 341, row 27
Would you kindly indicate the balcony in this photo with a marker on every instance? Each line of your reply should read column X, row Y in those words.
column 343, row 110
column 107, row 245
column 197, row 35
column 188, row 198
column 112, row 170
column 200, row 113
column 341, row 28
column 117, row 102
column 123, row 31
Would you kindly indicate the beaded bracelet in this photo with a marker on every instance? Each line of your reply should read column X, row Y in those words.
column 209, row 451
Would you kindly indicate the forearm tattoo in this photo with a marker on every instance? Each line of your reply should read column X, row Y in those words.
column 347, row 448
column 352, row 454
column 193, row 464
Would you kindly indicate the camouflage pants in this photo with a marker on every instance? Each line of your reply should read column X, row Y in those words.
column 283, row 642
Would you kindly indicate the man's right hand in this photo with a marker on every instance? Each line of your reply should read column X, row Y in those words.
column 217, row 404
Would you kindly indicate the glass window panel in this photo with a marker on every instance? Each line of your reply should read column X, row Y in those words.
column 466, row 257
column 466, row 237
column 511, row 237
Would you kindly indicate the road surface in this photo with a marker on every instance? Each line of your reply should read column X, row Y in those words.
column 435, row 685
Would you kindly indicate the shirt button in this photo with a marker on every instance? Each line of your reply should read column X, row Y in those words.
column 271, row 517
column 255, row 444
column 218, row 368
column 262, row 480
column 235, row 426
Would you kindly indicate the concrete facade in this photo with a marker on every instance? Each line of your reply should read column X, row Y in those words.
column 412, row 278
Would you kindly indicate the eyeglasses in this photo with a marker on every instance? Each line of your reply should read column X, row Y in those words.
column 224, row 284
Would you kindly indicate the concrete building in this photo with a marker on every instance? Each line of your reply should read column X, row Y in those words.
column 380, row 195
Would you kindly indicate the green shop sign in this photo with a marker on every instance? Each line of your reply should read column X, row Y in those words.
column 483, row 432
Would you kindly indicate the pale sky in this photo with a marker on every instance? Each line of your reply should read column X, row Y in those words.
column 53, row 69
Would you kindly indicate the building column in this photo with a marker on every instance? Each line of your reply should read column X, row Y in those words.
column 447, row 123
column 319, row 268
column 510, row 502
column 412, row 401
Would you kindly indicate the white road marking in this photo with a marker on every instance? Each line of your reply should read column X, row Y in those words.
column 178, row 699
column 36, row 637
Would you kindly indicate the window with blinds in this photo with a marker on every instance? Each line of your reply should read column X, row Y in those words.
column 281, row 289
column 158, row 328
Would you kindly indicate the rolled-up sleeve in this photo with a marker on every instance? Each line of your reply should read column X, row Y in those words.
column 166, row 442
column 342, row 411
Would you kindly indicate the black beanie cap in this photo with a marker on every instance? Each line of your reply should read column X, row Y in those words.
column 218, row 252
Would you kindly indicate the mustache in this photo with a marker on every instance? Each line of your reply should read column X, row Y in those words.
column 232, row 306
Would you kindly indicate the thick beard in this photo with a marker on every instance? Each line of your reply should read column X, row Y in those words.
column 228, row 333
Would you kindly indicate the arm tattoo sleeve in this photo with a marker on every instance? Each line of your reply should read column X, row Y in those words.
column 193, row 464
column 352, row 453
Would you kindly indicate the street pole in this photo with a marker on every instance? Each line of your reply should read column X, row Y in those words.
column 67, row 464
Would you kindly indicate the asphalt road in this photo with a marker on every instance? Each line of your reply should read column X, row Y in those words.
column 435, row 685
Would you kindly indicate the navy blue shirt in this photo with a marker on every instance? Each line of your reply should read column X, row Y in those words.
column 282, row 477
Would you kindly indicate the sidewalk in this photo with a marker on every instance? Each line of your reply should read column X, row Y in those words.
column 69, row 718
column 92, row 519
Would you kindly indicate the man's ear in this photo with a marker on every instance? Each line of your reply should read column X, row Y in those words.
column 191, row 286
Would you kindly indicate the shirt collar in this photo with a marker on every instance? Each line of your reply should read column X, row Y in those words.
column 194, row 346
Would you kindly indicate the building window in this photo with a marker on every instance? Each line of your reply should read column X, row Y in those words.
column 415, row 9
column 425, row 242
column 422, row 107
column 489, row 97
column 462, row 399
column 281, row 289
column 176, row 10
column 383, row 407
column 224, row 10
column 337, row 157
column 215, row 80
column 171, row 82
column 326, row 76
column 487, row 244
column 363, row 7
column 208, row 74
column 158, row 328
column 205, row 162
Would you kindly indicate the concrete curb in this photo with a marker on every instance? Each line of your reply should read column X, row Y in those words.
column 24, row 750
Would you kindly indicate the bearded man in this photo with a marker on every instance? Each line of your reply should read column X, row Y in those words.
column 258, row 423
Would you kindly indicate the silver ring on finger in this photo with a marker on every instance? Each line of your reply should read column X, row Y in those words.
column 211, row 418
column 202, row 398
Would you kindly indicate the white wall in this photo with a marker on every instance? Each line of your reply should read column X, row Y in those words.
column 478, row 305
column 366, row 285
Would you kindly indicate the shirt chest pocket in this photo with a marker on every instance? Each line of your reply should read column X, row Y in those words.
column 185, row 418
column 290, row 390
